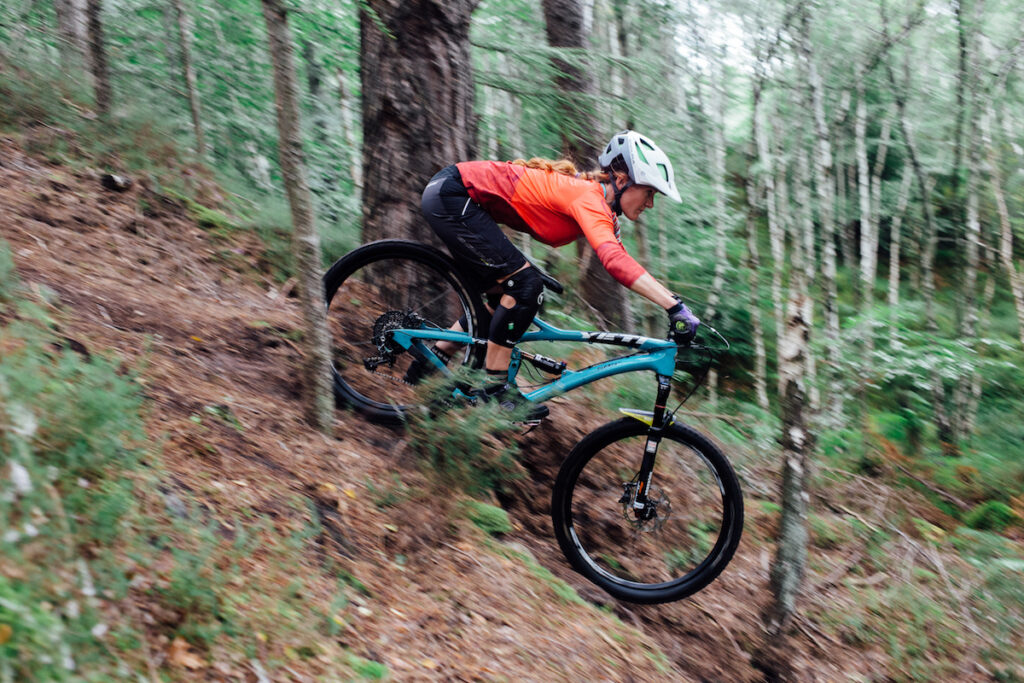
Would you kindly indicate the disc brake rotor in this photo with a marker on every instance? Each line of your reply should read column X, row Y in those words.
column 655, row 513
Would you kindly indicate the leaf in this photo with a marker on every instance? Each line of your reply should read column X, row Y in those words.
column 1009, row 563
column 180, row 654
column 5, row 633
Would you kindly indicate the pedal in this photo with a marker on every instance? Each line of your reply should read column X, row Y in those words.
column 529, row 425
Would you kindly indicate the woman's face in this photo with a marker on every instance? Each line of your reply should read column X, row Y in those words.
column 636, row 200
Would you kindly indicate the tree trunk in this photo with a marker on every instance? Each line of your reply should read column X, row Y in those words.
column 73, row 43
column 968, row 307
column 803, row 233
column 417, row 107
column 759, row 145
column 316, row 363
column 864, row 198
column 895, row 240
column 753, row 266
column 346, row 109
column 875, row 217
column 189, row 74
column 974, row 399
column 791, row 554
column 722, row 219
column 98, row 58
column 776, row 226
column 567, row 26
column 1005, row 229
column 823, row 180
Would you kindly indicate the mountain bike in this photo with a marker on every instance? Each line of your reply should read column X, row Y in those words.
column 645, row 506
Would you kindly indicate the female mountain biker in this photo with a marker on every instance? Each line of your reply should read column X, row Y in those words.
column 555, row 204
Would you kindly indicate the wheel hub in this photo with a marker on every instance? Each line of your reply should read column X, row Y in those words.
column 653, row 513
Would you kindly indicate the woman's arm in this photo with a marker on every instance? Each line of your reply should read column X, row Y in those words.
column 649, row 288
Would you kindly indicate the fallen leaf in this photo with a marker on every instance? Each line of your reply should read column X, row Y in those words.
column 5, row 633
column 180, row 654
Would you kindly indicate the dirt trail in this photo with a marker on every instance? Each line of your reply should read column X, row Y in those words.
column 141, row 281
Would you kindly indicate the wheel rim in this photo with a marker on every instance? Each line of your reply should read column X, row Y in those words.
column 375, row 298
column 675, row 541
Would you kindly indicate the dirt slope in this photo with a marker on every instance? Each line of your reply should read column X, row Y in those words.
column 141, row 281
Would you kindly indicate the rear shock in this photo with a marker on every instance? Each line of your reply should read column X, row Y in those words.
column 548, row 365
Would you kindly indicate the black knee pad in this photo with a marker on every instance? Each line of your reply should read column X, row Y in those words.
column 509, row 324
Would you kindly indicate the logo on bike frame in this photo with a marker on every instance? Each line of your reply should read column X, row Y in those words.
column 612, row 338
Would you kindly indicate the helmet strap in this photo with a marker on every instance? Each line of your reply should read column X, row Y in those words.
column 617, row 199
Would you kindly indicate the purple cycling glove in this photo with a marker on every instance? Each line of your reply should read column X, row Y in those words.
column 682, row 323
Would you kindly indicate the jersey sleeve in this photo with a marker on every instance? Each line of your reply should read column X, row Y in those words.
column 597, row 223
column 619, row 264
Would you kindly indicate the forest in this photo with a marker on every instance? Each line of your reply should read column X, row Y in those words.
column 852, row 221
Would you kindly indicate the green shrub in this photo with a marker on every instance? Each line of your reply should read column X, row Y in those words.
column 72, row 434
column 992, row 515
column 471, row 447
column 489, row 518
column 8, row 275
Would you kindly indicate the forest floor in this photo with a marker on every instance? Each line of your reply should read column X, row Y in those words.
column 133, row 276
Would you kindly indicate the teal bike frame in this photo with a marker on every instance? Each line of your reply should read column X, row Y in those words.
column 655, row 355
column 658, row 355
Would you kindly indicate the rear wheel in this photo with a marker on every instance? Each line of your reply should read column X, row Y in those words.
column 376, row 289
column 672, row 547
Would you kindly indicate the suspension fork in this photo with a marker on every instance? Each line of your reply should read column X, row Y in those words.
column 654, row 434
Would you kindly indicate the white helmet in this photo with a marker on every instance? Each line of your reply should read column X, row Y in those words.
column 644, row 161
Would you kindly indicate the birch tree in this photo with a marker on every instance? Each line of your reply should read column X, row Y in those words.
column 895, row 245
column 823, row 171
column 188, row 74
column 1013, row 274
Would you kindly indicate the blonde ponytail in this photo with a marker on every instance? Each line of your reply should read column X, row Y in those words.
column 563, row 166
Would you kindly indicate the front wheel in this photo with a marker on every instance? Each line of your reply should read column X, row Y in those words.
column 673, row 547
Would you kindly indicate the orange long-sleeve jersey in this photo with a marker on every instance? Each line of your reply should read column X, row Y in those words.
column 552, row 207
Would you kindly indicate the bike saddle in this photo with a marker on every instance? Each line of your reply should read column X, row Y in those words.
column 549, row 282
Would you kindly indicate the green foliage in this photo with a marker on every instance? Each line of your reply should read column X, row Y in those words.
column 8, row 275
column 74, row 434
column 491, row 519
column 471, row 447
column 389, row 495
column 367, row 668
column 992, row 515
column 560, row 588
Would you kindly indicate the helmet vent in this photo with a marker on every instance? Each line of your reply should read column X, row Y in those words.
column 640, row 152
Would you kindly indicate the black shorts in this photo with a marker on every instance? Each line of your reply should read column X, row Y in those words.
column 471, row 235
